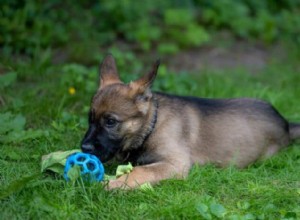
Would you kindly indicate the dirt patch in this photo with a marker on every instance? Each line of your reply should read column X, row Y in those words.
column 249, row 56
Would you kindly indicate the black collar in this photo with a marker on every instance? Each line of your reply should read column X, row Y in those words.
column 153, row 122
column 133, row 154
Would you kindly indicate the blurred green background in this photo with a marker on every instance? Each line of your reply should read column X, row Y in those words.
column 90, row 27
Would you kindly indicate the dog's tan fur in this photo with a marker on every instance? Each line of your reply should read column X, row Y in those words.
column 184, row 133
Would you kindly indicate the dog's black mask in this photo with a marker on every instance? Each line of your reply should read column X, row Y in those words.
column 97, row 142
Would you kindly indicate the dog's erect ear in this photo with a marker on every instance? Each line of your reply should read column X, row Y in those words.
column 142, row 86
column 108, row 72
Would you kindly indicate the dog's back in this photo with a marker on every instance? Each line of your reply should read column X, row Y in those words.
column 223, row 131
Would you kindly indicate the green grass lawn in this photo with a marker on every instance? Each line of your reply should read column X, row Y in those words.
column 38, row 115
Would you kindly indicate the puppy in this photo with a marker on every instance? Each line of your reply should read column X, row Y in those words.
column 164, row 135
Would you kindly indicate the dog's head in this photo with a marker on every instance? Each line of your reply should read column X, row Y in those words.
column 119, row 112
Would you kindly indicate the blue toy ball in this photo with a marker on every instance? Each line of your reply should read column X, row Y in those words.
column 91, row 167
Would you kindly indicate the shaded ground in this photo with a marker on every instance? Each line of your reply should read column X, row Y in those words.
column 252, row 57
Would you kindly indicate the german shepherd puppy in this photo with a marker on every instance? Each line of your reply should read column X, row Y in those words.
column 164, row 135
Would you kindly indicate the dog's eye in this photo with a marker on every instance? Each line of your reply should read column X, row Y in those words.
column 110, row 122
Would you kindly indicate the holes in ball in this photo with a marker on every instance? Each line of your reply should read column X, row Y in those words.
column 81, row 159
column 91, row 166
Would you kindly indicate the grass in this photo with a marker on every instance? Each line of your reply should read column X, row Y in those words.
column 56, row 120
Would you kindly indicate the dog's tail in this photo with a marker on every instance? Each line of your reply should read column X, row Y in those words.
column 294, row 130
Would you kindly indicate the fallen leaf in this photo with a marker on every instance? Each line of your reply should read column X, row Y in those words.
column 124, row 169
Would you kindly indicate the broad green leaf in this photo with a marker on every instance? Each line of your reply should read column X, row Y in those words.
column 249, row 216
column 12, row 155
column 17, row 185
column 18, row 123
column 12, row 129
column 203, row 210
column 9, row 123
column 16, row 137
column 218, row 210
column 56, row 161
column 7, row 79
column 57, row 168
column 270, row 208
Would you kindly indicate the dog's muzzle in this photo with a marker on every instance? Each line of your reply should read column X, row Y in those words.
column 87, row 148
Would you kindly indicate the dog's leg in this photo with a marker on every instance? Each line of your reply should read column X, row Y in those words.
column 152, row 173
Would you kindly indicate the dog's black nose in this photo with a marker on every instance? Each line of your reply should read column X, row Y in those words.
column 87, row 148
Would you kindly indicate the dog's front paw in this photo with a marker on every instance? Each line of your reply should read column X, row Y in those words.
column 116, row 184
